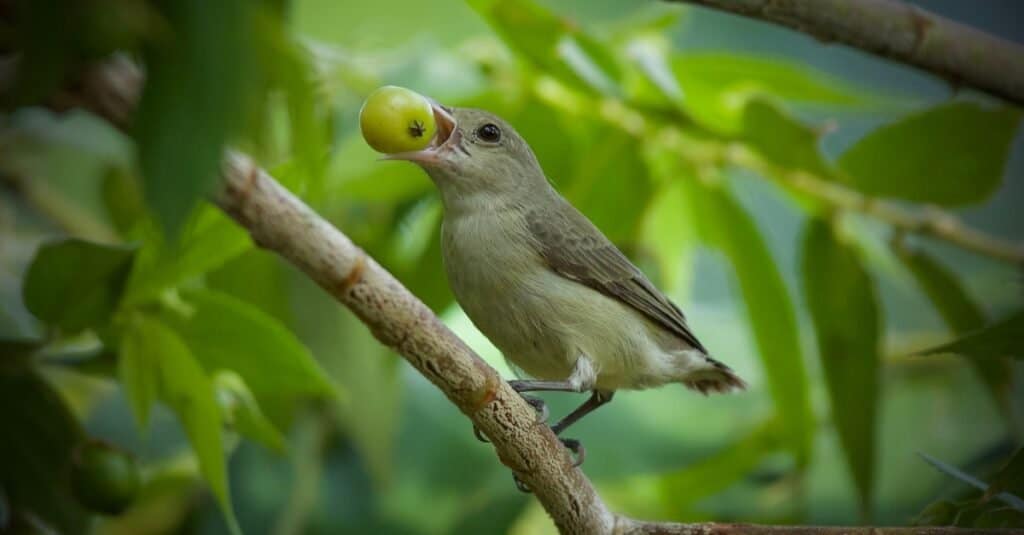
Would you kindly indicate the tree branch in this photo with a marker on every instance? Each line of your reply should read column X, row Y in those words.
column 905, row 33
column 931, row 221
column 280, row 222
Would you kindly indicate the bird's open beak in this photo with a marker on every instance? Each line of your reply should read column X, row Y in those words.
column 445, row 138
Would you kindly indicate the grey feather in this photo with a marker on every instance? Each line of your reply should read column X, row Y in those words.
column 575, row 249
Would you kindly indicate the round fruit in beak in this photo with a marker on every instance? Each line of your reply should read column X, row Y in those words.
column 395, row 119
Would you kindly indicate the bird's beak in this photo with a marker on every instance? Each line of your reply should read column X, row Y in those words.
column 446, row 137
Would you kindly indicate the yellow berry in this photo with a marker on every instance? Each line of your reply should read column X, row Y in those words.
column 395, row 119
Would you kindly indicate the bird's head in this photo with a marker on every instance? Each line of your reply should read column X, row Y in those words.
column 476, row 155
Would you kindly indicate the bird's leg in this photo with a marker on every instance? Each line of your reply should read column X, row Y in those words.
column 598, row 398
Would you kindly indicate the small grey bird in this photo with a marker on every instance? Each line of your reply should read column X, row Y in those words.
column 559, row 300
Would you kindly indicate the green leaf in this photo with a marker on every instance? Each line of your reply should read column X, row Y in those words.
column 1009, row 478
column 782, row 138
column 208, row 241
column 75, row 284
column 139, row 371
column 197, row 76
column 720, row 470
column 186, row 389
column 18, row 347
column 772, row 318
column 243, row 412
column 39, row 433
column 226, row 333
column 954, row 472
column 841, row 300
column 950, row 155
column 667, row 234
column 612, row 186
column 553, row 44
column 717, row 86
column 999, row 339
column 962, row 315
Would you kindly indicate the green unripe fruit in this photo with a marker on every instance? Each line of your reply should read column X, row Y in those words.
column 395, row 119
column 103, row 478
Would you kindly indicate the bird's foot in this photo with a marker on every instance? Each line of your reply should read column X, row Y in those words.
column 576, row 447
column 537, row 404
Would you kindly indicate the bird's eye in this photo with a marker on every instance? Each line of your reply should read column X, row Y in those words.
column 489, row 133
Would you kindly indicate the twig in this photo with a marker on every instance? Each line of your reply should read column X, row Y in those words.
column 931, row 221
column 280, row 222
column 902, row 32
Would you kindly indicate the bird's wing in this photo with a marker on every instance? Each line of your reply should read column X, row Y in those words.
column 575, row 249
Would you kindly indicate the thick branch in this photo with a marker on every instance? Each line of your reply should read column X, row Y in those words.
column 280, row 222
column 902, row 32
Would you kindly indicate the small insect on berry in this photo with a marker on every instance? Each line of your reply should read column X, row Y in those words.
column 395, row 119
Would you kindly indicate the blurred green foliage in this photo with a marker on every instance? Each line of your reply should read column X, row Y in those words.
column 134, row 311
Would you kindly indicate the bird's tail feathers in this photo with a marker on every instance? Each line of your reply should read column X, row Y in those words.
column 715, row 379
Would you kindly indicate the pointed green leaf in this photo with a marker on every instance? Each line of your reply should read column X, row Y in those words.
column 717, row 86
column 954, row 472
column 841, row 299
column 226, row 333
column 242, row 412
column 729, row 228
column 950, row 155
column 999, row 339
column 782, row 138
column 76, row 284
column 962, row 315
column 207, row 241
column 139, row 371
column 555, row 45
column 186, row 389
column 197, row 75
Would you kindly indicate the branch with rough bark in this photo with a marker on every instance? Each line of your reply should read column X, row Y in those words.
column 891, row 29
column 280, row 222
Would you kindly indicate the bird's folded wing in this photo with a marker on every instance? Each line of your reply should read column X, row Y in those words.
column 575, row 249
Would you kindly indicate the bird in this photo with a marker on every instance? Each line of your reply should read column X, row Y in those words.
column 560, row 301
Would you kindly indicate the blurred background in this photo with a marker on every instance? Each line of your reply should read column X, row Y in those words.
column 737, row 163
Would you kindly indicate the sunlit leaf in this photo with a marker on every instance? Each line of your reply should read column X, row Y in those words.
column 840, row 296
column 716, row 86
column 782, row 138
column 242, row 412
column 730, row 229
column 962, row 315
column 197, row 76
column 76, row 284
column 208, row 240
column 225, row 333
column 668, row 235
column 556, row 45
column 186, row 389
column 39, row 433
column 951, row 155
column 999, row 339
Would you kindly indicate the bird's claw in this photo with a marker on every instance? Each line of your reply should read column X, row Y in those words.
column 522, row 487
column 539, row 406
column 479, row 434
column 576, row 447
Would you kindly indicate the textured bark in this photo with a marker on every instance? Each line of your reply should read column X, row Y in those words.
column 902, row 32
